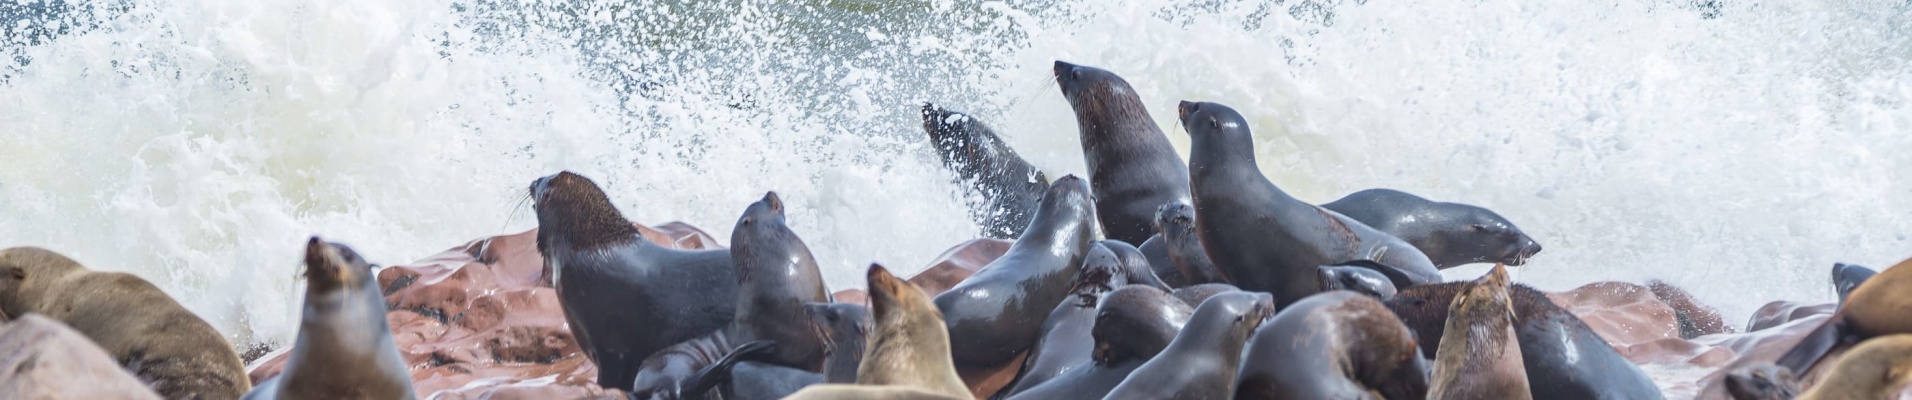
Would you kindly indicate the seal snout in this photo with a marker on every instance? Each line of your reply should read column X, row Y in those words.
column 1185, row 108
column 775, row 203
column 1065, row 70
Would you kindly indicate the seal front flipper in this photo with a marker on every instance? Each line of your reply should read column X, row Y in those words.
column 1815, row 345
column 1846, row 277
column 1008, row 185
column 705, row 379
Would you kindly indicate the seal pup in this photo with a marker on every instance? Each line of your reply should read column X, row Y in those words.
column 1258, row 235
column 1135, row 265
column 1563, row 357
column 344, row 349
column 1067, row 339
column 1877, row 307
column 1479, row 357
column 1176, row 252
column 1846, row 277
column 1451, row 234
column 989, row 169
column 776, row 277
column 149, row 334
column 624, row 297
column 1203, row 360
column 996, row 314
column 907, row 357
column 1132, row 166
column 1333, row 345
column 1132, row 324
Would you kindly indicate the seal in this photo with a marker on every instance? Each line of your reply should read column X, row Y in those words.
column 740, row 376
column 1846, row 277
column 1762, row 381
column 989, row 169
column 1067, row 339
column 1878, row 368
column 1258, row 235
column 1563, row 357
column 1203, row 360
column 1135, row 265
column 1363, row 279
column 1133, row 324
column 344, row 349
column 1176, row 251
column 1195, row 295
column 908, row 354
column 1451, row 234
column 1132, row 166
column 624, row 297
column 1333, row 345
column 1479, row 357
column 1877, row 307
column 996, row 314
column 776, row 277
column 148, row 333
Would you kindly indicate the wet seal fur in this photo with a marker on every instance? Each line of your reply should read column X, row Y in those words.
column 1846, row 277
column 1361, row 276
column 1479, row 357
column 179, row 355
column 1333, row 345
column 1258, row 235
column 1067, row 340
column 741, row 376
column 624, row 297
column 1135, row 265
column 1563, row 357
column 1131, row 164
column 344, row 349
column 908, row 355
column 1876, row 307
column 988, row 168
column 1175, row 252
column 996, row 314
column 776, row 276
column 1451, row 234
column 1132, row 325
column 1203, row 360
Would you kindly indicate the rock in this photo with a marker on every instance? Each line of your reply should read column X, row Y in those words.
column 958, row 263
column 43, row 359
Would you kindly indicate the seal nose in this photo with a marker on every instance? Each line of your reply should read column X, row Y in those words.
column 775, row 203
column 1186, row 108
column 1064, row 69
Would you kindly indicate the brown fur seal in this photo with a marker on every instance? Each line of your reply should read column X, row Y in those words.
column 776, row 276
column 1333, row 345
column 1203, row 360
column 46, row 360
column 1006, row 185
column 908, row 355
column 624, row 297
column 1880, row 306
column 1479, row 356
column 1067, row 341
column 1563, row 357
column 1131, row 164
column 1175, row 252
column 1451, row 234
column 1259, row 236
column 1846, row 277
column 344, row 349
column 151, row 335
column 1878, row 368
column 1132, row 325
column 996, row 314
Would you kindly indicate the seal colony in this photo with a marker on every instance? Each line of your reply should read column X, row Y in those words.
column 1147, row 278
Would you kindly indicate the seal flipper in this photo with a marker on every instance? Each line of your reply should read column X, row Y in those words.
column 1846, row 277
column 706, row 379
column 1399, row 277
column 1814, row 346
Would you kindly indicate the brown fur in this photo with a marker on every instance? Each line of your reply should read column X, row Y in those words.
column 1479, row 357
column 1878, row 368
column 910, row 347
column 151, row 335
column 589, row 219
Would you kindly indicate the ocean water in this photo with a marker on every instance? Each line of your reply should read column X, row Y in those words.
column 1733, row 148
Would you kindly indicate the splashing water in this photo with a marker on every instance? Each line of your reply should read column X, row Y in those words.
column 1730, row 148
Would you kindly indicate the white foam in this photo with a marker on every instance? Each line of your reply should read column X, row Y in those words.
column 195, row 143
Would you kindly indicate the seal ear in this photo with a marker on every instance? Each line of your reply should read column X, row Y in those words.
column 1395, row 276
